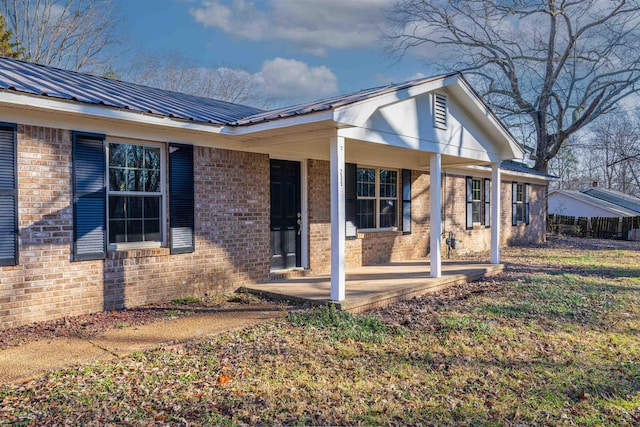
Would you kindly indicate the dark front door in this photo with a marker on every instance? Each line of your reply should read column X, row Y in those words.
column 285, row 214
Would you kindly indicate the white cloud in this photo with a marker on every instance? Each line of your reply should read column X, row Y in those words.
column 279, row 81
column 417, row 75
column 289, row 78
column 310, row 25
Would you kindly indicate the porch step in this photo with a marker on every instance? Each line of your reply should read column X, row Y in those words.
column 374, row 286
column 288, row 274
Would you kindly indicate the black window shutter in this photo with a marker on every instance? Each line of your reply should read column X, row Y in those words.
column 89, row 201
column 469, row 203
column 8, row 195
column 487, row 202
column 351, row 197
column 406, row 201
column 181, row 199
column 526, row 204
column 514, row 203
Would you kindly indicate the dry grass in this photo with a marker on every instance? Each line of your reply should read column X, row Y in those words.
column 555, row 340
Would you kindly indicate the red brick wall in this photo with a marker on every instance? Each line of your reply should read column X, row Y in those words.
column 232, row 238
column 479, row 239
column 388, row 246
column 232, row 234
column 368, row 248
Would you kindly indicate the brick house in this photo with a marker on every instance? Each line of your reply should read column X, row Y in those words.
column 116, row 195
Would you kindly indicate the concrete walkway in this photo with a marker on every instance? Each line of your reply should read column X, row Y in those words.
column 31, row 359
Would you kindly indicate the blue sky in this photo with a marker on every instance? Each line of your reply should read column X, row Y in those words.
column 298, row 49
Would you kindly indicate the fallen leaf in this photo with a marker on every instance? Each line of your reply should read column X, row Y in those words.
column 223, row 379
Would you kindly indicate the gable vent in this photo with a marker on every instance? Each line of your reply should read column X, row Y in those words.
column 439, row 110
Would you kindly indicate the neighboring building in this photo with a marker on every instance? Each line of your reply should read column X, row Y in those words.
column 116, row 195
column 593, row 202
column 615, row 197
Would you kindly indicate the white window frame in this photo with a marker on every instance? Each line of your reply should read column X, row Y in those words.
column 162, row 194
column 378, row 198
column 520, row 204
column 523, row 206
column 479, row 201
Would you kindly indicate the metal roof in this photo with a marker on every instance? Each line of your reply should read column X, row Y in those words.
column 591, row 200
column 333, row 102
column 40, row 80
column 35, row 79
column 617, row 198
column 521, row 167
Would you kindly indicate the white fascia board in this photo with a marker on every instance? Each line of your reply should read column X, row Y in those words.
column 31, row 102
column 379, row 137
column 483, row 171
column 284, row 122
column 358, row 113
column 25, row 101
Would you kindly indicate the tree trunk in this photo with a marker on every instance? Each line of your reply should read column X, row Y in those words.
column 541, row 165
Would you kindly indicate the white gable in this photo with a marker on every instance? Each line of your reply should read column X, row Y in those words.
column 408, row 120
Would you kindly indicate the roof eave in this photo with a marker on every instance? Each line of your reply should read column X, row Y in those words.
column 22, row 100
column 506, row 172
column 289, row 121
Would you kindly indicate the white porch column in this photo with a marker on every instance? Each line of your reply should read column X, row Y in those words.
column 436, row 215
column 495, row 213
column 337, row 219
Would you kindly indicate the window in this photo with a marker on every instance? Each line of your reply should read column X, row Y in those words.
column 406, row 201
column 130, row 207
column 377, row 198
column 478, row 202
column 520, row 203
column 135, row 193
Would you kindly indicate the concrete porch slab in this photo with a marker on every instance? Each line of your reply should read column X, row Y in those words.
column 377, row 286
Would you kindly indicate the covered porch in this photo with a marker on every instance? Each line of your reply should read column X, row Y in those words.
column 376, row 286
column 415, row 130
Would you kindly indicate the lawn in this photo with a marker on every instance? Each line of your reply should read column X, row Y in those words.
column 555, row 340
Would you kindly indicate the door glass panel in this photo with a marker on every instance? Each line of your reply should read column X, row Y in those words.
column 285, row 206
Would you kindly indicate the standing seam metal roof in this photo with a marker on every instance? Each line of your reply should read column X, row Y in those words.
column 587, row 198
column 35, row 79
column 624, row 200
column 333, row 102
column 521, row 167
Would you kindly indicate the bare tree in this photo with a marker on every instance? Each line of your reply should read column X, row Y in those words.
column 169, row 71
column 173, row 71
column 567, row 167
column 558, row 63
column 71, row 34
column 615, row 143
